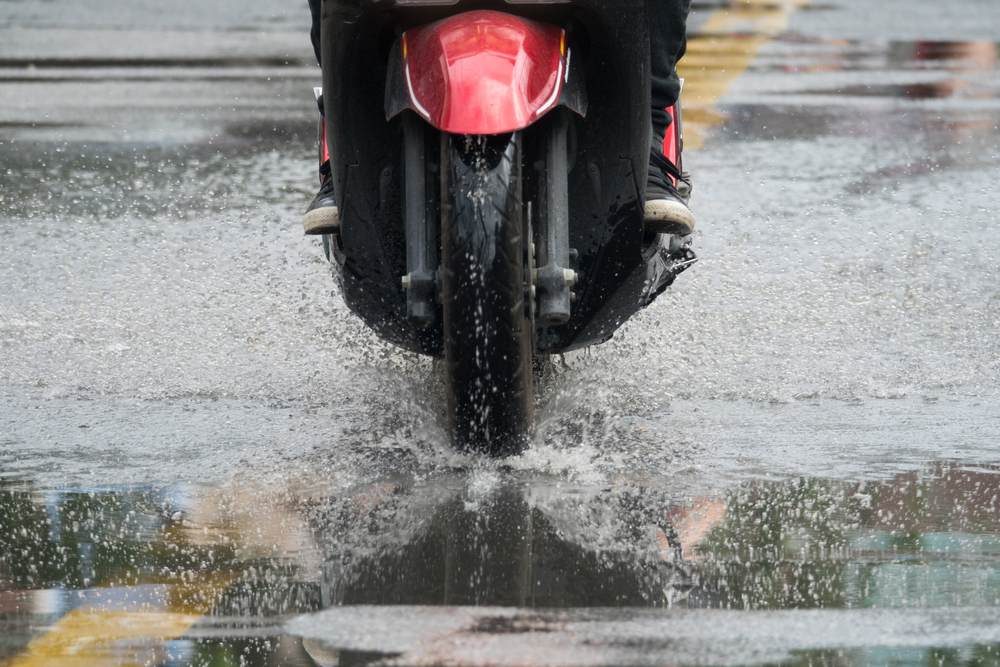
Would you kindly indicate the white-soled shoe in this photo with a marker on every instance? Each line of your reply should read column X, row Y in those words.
column 322, row 216
column 666, row 210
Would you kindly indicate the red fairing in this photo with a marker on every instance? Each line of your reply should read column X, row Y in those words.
column 484, row 72
column 322, row 141
column 672, row 141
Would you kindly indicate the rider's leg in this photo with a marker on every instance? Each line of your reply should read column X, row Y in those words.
column 667, row 43
column 314, row 9
column 322, row 216
column 665, row 209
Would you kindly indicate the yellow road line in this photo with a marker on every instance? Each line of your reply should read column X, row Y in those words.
column 723, row 49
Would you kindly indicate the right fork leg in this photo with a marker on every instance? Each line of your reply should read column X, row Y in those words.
column 419, row 224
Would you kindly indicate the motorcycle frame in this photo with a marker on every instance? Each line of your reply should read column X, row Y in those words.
column 621, row 268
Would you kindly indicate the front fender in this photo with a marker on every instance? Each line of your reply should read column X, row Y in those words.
column 482, row 72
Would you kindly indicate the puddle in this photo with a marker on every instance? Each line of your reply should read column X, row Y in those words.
column 935, row 70
column 222, row 571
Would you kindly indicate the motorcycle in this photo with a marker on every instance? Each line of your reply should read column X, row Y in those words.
column 490, row 162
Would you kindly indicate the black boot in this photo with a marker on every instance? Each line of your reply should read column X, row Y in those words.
column 666, row 209
column 322, row 217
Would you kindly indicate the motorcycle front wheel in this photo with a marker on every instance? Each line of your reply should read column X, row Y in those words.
column 487, row 339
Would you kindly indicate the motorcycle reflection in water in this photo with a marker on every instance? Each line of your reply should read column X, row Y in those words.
column 513, row 545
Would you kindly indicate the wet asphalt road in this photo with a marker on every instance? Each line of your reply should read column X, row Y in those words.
column 793, row 457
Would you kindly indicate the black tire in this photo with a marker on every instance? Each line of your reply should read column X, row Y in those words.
column 486, row 340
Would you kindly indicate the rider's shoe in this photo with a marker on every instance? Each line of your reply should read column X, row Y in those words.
column 666, row 209
column 322, row 216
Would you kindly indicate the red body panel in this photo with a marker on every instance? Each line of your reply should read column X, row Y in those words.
column 672, row 142
column 324, row 147
column 484, row 72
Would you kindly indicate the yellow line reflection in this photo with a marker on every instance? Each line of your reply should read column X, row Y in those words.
column 132, row 633
column 132, row 624
column 106, row 638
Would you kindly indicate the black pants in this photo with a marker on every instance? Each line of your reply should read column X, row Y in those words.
column 667, row 43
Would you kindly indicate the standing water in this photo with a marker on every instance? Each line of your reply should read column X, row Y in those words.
column 791, row 457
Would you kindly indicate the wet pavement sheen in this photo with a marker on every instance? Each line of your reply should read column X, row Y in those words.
column 790, row 458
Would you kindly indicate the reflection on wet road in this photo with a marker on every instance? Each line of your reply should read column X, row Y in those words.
column 791, row 458
column 207, row 577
